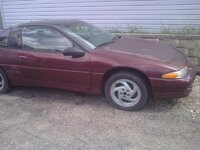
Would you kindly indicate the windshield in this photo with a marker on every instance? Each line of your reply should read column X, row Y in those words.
column 91, row 35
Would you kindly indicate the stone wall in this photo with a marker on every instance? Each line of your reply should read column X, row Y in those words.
column 188, row 44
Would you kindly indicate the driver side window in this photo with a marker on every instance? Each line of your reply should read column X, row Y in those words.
column 44, row 39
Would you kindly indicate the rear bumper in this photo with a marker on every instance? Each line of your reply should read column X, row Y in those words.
column 173, row 88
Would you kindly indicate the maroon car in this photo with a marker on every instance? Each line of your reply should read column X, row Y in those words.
column 75, row 55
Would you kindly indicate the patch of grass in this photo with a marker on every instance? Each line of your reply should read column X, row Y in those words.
column 114, row 30
column 129, row 29
column 134, row 29
column 166, row 30
column 189, row 30
column 185, row 30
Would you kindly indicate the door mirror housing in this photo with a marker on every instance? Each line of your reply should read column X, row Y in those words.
column 74, row 52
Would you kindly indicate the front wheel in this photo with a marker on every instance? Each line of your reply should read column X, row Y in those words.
column 127, row 91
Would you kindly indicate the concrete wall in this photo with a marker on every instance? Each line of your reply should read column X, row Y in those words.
column 188, row 44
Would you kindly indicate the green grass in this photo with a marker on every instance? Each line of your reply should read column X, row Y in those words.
column 185, row 30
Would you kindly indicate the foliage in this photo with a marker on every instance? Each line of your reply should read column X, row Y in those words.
column 185, row 30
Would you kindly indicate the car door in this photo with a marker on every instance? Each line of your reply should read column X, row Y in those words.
column 42, row 61
column 10, row 43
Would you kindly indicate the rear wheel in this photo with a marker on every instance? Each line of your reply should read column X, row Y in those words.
column 4, row 83
column 127, row 91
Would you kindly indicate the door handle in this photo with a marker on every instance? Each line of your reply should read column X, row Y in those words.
column 22, row 57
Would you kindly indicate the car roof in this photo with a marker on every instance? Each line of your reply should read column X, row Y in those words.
column 65, row 22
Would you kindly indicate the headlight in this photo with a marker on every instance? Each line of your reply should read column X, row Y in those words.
column 176, row 74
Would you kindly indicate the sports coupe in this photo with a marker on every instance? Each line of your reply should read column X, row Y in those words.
column 78, row 56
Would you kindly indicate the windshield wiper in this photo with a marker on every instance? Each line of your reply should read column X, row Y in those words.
column 105, row 43
column 112, row 41
column 57, row 50
column 116, row 38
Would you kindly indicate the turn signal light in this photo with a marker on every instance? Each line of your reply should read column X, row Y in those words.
column 176, row 75
column 170, row 75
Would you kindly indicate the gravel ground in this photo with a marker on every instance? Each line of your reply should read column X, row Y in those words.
column 40, row 118
column 192, row 103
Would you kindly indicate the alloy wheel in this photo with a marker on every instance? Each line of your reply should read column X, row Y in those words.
column 1, row 82
column 125, row 92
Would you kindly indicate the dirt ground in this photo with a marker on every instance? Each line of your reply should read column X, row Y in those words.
column 40, row 118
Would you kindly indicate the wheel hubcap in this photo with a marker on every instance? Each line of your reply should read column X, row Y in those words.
column 125, row 92
column 1, row 82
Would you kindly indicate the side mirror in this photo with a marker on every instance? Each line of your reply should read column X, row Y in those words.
column 74, row 52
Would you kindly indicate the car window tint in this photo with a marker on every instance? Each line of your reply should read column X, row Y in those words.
column 4, row 38
column 44, row 38
column 15, row 38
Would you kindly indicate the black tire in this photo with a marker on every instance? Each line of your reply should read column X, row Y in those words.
column 6, row 85
column 138, row 80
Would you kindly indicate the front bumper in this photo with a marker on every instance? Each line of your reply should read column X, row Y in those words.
column 173, row 88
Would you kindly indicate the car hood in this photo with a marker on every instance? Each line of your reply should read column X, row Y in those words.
column 147, row 49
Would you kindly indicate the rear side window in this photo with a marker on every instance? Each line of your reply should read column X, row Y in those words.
column 4, row 38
